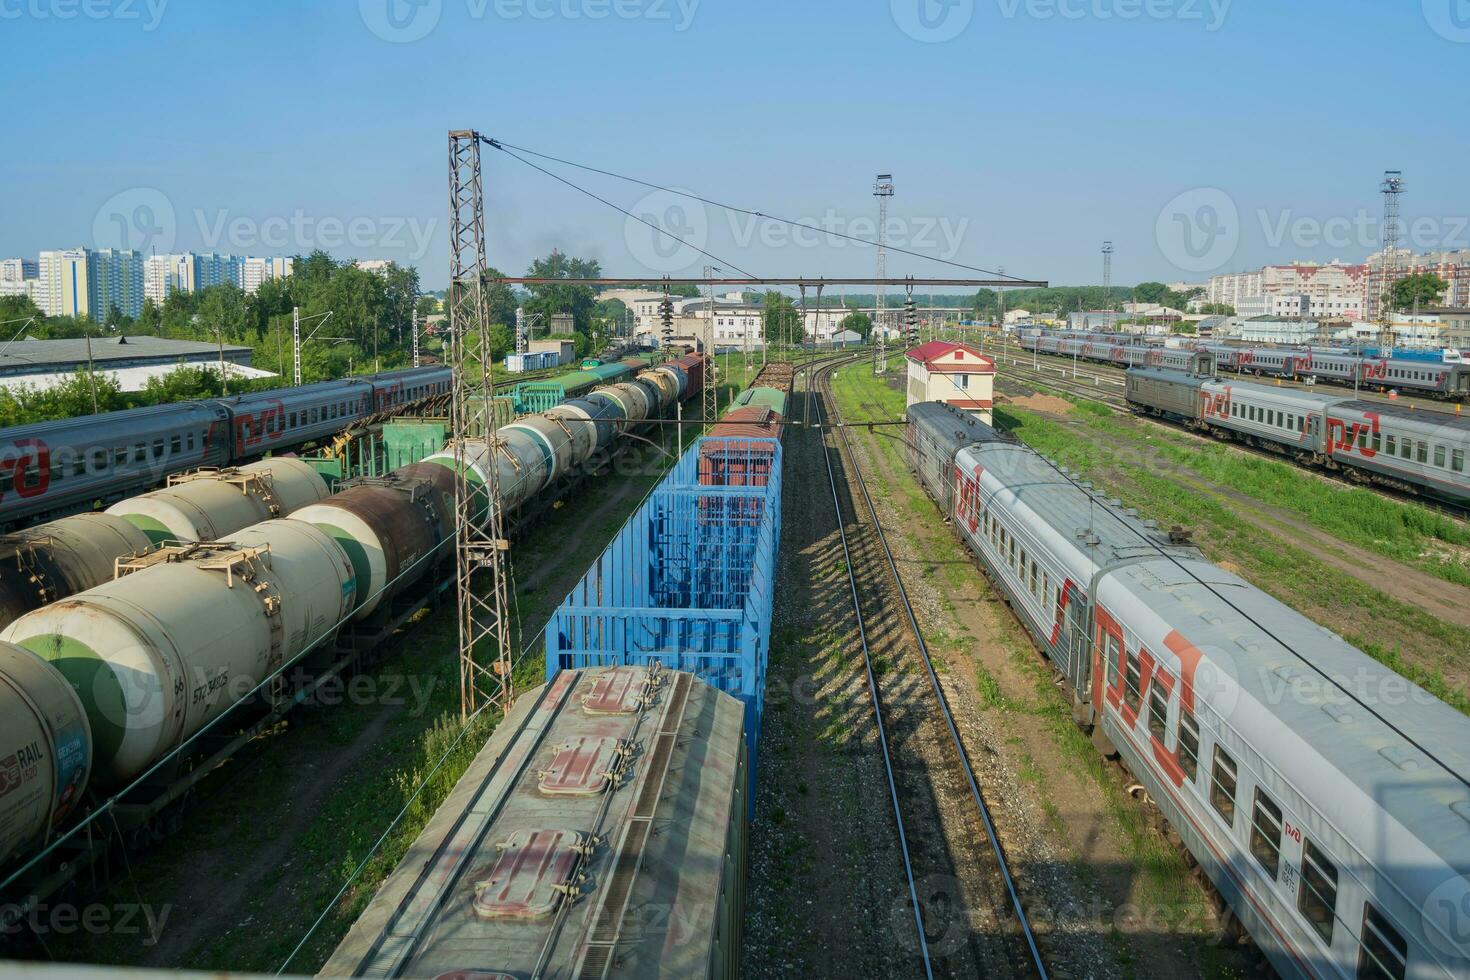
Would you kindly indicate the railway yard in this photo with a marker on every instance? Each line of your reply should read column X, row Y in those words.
column 903, row 755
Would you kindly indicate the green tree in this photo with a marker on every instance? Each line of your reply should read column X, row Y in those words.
column 1217, row 309
column 780, row 320
column 150, row 319
column 1151, row 293
column 686, row 290
column 1418, row 291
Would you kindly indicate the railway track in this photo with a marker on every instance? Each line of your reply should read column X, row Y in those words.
column 967, row 912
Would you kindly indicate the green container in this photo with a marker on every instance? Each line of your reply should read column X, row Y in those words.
column 764, row 398
column 408, row 441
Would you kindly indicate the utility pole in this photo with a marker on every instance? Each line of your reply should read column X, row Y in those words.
column 413, row 324
column 91, row 375
column 709, row 405
column 296, row 345
column 882, row 190
column 1392, row 187
column 480, row 542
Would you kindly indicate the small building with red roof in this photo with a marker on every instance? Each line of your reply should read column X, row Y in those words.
column 957, row 374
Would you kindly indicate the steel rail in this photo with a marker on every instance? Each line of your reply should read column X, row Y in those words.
column 954, row 733
column 814, row 379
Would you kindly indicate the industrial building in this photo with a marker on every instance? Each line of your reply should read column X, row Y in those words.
column 131, row 361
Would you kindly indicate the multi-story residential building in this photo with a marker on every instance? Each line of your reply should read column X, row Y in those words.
column 1332, row 291
column 29, row 288
column 18, row 270
column 1451, row 266
column 1233, row 287
column 64, row 283
column 115, row 282
column 374, row 265
column 255, row 271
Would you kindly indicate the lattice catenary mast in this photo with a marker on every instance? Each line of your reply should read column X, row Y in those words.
column 1392, row 187
column 1107, row 254
column 882, row 190
column 480, row 542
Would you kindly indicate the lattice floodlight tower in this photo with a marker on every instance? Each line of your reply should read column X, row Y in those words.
column 1107, row 254
column 1392, row 187
column 480, row 542
column 882, row 190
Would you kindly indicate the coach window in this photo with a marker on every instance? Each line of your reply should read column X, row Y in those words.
column 99, row 460
column 1377, row 441
column 1362, row 438
column 1439, row 456
column 1382, row 952
column 1406, row 448
column 1114, row 654
column 1421, row 452
column 175, row 445
column 1158, row 710
column 1222, row 785
column 119, row 457
column 1316, row 896
column 1188, row 744
column 1266, row 833
column 140, row 452
column 1457, row 460
column 1132, row 682
column 189, row 443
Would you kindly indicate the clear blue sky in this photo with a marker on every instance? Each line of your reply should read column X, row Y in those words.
column 1039, row 130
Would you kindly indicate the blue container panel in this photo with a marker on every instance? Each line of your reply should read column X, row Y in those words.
column 688, row 582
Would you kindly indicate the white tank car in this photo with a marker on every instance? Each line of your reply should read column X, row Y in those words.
column 45, row 750
column 51, row 561
column 1327, row 797
column 157, row 654
column 211, row 504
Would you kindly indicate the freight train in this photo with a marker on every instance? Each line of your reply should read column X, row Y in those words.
column 111, row 683
column 1388, row 445
column 600, row 832
column 47, row 562
column 53, row 468
column 688, row 581
column 1447, row 380
column 1326, row 797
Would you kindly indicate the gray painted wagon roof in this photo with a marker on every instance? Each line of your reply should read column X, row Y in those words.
column 523, row 781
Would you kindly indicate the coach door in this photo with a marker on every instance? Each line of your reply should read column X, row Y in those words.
column 1077, row 647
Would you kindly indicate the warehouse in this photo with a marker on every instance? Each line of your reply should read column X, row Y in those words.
column 130, row 361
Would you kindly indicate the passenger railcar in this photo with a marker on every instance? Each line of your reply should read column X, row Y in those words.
column 1439, row 379
column 1416, row 452
column 53, row 468
column 1326, row 797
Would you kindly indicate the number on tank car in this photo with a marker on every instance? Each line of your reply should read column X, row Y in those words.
column 204, row 691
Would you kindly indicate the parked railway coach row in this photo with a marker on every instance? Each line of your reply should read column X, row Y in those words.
column 1437, row 379
column 601, row 832
column 1327, row 798
column 41, row 564
column 58, row 467
column 1416, row 452
column 162, row 651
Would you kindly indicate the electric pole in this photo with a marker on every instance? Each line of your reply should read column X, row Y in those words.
column 480, row 542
